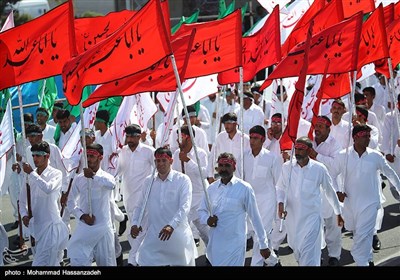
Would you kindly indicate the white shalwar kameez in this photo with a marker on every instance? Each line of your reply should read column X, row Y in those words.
column 46, row 225
column 168, row 204
column 134, row 167
column 231, row 203
column 360, row 207
column 192, row 170
column 262, row 173
column 302, row 186
column 97, row 240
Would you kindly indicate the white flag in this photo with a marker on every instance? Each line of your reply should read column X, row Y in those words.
column 198, row 88
column 73, row 148
column 6, row 139
column 9, row 22
column 143, row 110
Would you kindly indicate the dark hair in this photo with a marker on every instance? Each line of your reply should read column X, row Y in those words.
column 229, row 117
column 163, row 150
column 62, row 114
column 95, row 146
column 133, row 129
column 42, row 109
column 279, row 115
column 358, row 97
column 327, row 119
column 305, row 140
column 58, row 105
column 104, row 115
column 33, row 128
column 28, row 117
column 362, row 110
column 185, row 130
column 41, row 147
column 360, row 127
column 370, row 90
column 191, row 109
column 258, row 129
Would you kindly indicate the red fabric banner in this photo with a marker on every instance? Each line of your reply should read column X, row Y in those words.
column 259, row 51
column 137, row 45
column 338, row 43
column 289, row 135
column 373, row 44
column 217, row 45
column 37, row 49
column 388, row 12
column 351, row 7
column 335, row 86
column 158, row 77
column 90, row 31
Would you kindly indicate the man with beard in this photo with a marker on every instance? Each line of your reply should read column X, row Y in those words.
column 135, row 163
column 232, row 201
column 299, row 202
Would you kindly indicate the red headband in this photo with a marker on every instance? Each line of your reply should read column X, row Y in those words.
column 93, row 153
column 227, row 161
column 362, row 133
column 324, row 121
column 301, row 146
column 256, row 135
column 276, row 119
column 161, row 156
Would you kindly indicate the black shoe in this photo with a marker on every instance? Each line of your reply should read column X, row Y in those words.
column 197, row 242
column 376, row 243
column 276, row 253
column 120, row 260
column 371, row 264
column 249, row 244
column 122, row 226
column 333, row 261
column 15, row 225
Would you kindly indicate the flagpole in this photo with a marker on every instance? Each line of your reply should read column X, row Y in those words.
column 178, row 81
column 85, row 164
column 286, row 192
column 391, row 93
column 241, row 120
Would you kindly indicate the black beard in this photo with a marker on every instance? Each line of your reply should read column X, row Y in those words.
column 300, row 158
column 224, row 174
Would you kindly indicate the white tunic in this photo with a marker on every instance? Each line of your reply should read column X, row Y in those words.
column 46, row 225
column 251, row 117
column 86, row 239
column 168, row 204
column 231, row 203
column 302, row 187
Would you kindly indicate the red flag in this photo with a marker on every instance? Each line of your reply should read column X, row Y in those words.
column 90, row 31
column 351, row 7
column 393, row 35
column 335, row 86
column 323, row 18
column 388, row 12
column 137, row 45
column 166, row 16
column 294, row 111
column 373, row 44
column 259, row 51
column 317, row 104
column 217, row 45
column 37, row 49
column 397, row 10
column 338, row 43
column 158, row 77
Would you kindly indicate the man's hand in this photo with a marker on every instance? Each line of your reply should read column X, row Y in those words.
column 27, row 168
column 166, row 233
column 89, row 220
column 341, row 196
column 212, row 221
column 265, row 253
column 281, row 211
column 16, row 168
column 269, row 134
column 340, row 221
column 183, row 156
column 88, row 172
column 25, row 221
column 390, row 158
column 135, row 230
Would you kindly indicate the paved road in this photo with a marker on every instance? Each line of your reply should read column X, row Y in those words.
column 389, row 255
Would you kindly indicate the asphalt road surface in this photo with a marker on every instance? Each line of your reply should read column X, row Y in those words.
column 388, row 255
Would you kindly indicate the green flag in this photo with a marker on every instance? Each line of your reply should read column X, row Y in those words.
column 222, row 8
column 191, row 19
column 112, row 105
column 4, row 96
column 47, row 93
column 228, row 10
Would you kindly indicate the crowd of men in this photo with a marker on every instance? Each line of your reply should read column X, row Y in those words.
column 215, row 180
